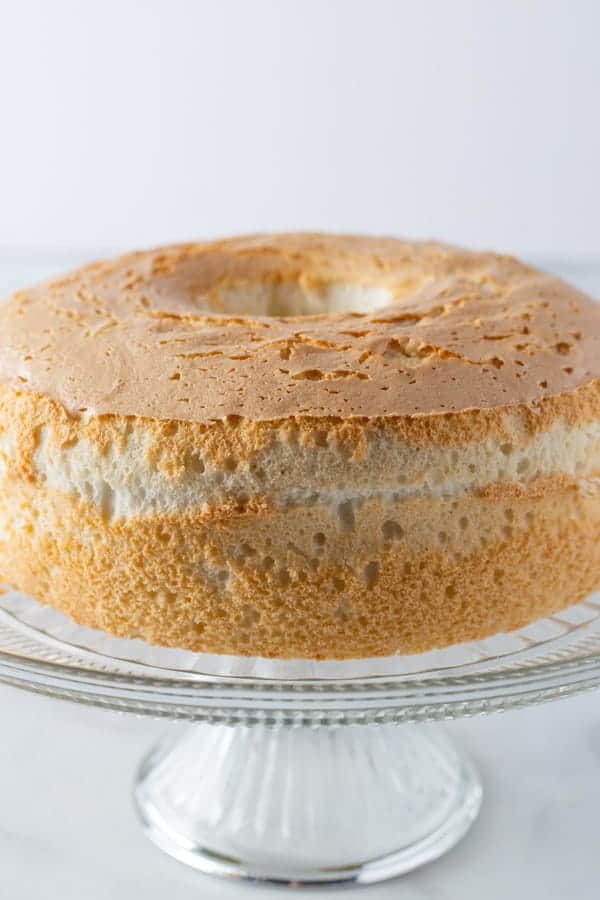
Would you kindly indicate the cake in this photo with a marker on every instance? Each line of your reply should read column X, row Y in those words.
column 301, row 445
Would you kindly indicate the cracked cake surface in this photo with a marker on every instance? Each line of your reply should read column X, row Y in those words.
column 386, row 328
column 301, row 445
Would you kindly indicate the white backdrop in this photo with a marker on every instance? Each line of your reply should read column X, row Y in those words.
column 129, row 123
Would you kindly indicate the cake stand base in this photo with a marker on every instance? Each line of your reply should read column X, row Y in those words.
column 307, row 805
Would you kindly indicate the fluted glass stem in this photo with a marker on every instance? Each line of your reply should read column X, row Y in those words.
column 303, row 805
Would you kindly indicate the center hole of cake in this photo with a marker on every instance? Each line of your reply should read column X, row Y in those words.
column 293, row 299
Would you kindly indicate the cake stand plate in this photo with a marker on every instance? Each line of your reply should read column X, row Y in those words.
column 299, row 771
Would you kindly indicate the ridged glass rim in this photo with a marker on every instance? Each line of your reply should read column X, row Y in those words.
column 563, row 660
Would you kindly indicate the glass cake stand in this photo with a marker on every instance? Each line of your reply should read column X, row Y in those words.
column 299, row 771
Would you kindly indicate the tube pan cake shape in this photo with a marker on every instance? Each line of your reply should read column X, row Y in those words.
column 301, row 445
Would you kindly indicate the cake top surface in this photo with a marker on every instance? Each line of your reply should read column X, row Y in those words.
column 271, row 326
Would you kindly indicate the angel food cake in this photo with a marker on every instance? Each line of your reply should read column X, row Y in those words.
column 301, row 445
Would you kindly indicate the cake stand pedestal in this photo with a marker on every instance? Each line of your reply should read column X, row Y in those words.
column 297, row 771
column 333, row 804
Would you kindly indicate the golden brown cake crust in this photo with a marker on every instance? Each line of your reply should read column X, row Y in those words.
column 452, row 571
column 161, row 333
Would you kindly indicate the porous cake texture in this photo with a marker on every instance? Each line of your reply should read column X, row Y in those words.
column 301, row 445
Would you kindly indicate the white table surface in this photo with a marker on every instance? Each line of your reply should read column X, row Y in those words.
column 68, row 830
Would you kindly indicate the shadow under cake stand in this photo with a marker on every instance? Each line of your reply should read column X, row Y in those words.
column 298, row 771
